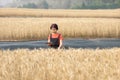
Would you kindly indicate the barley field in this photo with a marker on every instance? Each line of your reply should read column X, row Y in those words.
column 49, row 64
column 14, row 29
column 33, row 24
column 17, row 12
column 63, row 64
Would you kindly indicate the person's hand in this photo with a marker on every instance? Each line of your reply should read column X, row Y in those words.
column 58, row 48
column 49, row 44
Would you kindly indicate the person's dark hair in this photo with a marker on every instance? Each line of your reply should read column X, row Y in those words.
column 54, row 26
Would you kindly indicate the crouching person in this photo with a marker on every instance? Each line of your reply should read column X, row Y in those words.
column 55, row 39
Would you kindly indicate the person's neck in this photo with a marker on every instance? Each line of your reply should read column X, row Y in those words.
column 54, row 33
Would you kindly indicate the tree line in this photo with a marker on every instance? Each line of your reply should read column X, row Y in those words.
column 72, row 4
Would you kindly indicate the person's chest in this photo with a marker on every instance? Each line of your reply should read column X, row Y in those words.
column 54, row 35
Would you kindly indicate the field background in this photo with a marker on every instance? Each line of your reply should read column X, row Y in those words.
column 72, row 64
column 17, row 12
column 63, row 64
column 33, row 24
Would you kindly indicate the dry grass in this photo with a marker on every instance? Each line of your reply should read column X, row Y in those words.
column 13, row 12
column 49, row 64
column 95, row 24
column 38, row 28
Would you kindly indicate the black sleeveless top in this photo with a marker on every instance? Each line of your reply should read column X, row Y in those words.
column 55, row 41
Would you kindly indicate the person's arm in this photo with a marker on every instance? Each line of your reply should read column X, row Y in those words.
column 61, row 43
column 49, row 41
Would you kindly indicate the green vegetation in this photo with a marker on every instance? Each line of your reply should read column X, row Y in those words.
column 66, row 4
column 99, row 4
column 29, row 5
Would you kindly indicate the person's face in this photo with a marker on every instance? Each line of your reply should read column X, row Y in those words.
column 54, row 30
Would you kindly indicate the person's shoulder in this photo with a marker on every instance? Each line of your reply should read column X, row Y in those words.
column 61, row 37
column 59, row 34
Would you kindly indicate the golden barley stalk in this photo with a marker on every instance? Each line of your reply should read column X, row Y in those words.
column 38, row 28
column 49, row 64
column 17, row 12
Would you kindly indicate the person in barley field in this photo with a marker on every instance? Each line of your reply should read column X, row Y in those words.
column 55, row 39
